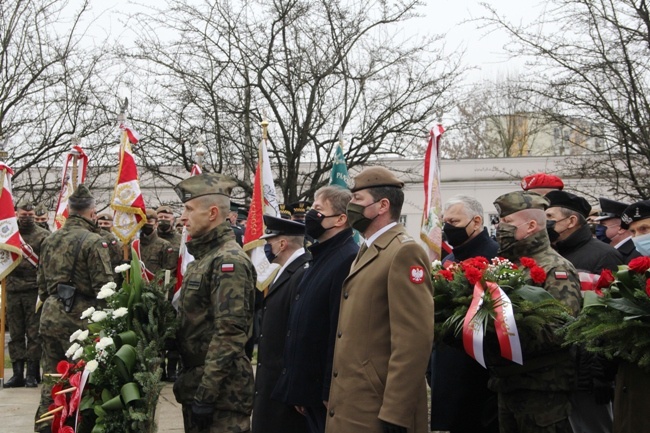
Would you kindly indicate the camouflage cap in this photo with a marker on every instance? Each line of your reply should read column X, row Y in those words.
column 569, row 201
column 373, row 177
column 25, row 204
column 40, row 209
column 165, row 209
column 152, row 214
column 80, row 194
column 635, row 212
column 512, row 202
column 104, row 217
column 204, row 184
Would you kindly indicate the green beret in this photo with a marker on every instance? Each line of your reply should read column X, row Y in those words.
column 374, row 177
column 104, row 217
column 204, row 184
column 151, row 214
column 25, row 204
column 512, row 202
column 165, row 209
column 40, row 209
column 80, row 195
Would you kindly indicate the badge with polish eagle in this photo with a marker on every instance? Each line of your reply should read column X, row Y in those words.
column 416, row 274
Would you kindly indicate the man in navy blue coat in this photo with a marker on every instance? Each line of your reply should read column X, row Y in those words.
column 309, row 346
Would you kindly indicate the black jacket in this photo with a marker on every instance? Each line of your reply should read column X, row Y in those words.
column 628, row 251
column 481, row 246
column 587, row 253
column 270, row 415
column 309, row 346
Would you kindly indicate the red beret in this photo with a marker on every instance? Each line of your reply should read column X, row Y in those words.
column 541, row 180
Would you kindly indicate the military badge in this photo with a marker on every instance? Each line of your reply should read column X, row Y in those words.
column 104, row 244
column 561, row 275
column 416, row 275
column 228, row 267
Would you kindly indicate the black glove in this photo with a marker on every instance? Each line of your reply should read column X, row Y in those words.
column 603, row 391
column 392, row 428
column 202, row 415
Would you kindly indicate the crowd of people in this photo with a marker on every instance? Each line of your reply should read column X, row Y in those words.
column 344, row 331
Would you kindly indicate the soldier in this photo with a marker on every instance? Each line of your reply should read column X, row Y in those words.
column 105, row 224
column 285, row 213
column 535, row 397
column 74, row 256
column 385, row 328
column 22, row 293
column 42, row 216
column 610, row 229
column 166, row 230
column 242, row 217
column 236, row 228
column 215, row 313
column 157, row 254
column 542, row 183
column 285, row 247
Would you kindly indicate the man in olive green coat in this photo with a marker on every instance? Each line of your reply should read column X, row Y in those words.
column 22, row 292
column 79, row 238
column 215, row 386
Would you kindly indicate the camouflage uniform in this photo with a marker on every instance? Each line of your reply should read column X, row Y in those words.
column 171, row 236
column 22, row 292
column 41, row 212
column 91, row 273
column 115, row 249
column 534, row 397
column 216, row 314
column 157, row 254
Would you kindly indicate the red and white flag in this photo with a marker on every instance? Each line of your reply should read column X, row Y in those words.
column 10, row 240
column 431, row 231
column 75, row 164
column 184, row 257
column 264, row 202
column 127, row 200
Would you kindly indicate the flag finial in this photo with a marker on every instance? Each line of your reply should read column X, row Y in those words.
column 200, row 150
column 265, row 128
column 3, row 146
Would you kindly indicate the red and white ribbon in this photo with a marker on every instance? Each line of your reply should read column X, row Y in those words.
column 504, row 325
column 588, row 281
column 29, row 254
column 147, row 275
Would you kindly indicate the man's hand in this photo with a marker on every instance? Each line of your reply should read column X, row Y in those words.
column 392, row 428
column 301, row 410
column 202, row 415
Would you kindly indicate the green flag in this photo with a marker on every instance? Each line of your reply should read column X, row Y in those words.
column 339, row 174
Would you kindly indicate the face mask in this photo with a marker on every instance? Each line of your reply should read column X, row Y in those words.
column 600, row 234
column 268, row 251
column 164, row 226
column 642, row 244
column 456, row 235
column 550, row 229
column 26, row 222
column 357, row 220
column 506, row 236
column 314, row 223
column 43, row 225
column 147, row 229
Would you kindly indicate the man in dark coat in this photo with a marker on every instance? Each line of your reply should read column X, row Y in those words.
column 309, row 349
column 285, row 247
column 610, row 230
column 458, row 383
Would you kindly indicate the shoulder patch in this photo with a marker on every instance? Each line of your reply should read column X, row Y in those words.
column 113, row 242
column 561, row 275
column 416, row 274
column 228, row 267
column 104, row 244
column 405, row 238
column 170, row 250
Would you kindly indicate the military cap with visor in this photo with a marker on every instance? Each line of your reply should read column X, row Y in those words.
column 375, row 177
column 635, row 212
column 204, row 184
column 610, row 209
column 278, row 226
column 516, row 201
column 569, row 201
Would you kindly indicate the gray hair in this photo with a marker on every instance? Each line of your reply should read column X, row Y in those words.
column 471, row 206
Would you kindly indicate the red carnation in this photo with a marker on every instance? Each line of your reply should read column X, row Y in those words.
column 537, row 274
column 647, row 287
column 605, row 280
column 475, row 262
column 446, row 274
column 640, row 264
column 472, row 274
column 528, row 262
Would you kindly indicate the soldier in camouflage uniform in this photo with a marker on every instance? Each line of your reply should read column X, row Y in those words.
column 215, row 386
column 166, row 230
column 91, row 272
column 42, row 216
column 156, row 253
column 115, row 250
column 534, row 397
column 22, row 292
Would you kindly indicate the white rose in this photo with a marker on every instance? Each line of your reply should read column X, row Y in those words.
column 91, row 365
column 110, row 286
column 122, row 311
column 436, row 264
column 78, row 354
column 75, row 335
column 71, row 351
column 105, row 292
column 83, row 335
column 122, row 268
column 98, row 316
column 104, row 342
column 87, row 313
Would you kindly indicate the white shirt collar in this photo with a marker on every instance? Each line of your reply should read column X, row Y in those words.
column 294, row 256
column 620, row 244
column 379, row 232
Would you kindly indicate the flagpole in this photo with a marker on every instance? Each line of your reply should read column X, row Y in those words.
column 75, row 158
column 200, row 152
column 3, row 288
column 121, row 119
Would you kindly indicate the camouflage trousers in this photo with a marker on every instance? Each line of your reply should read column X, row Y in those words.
column 534, row 412
column 222, row 422
column 23, row 324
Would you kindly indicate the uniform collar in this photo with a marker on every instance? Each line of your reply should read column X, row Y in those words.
column 532, row 245
column 216, row 237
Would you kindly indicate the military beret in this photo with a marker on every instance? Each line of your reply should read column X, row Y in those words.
column 569, row 201
column 299, row 208
column 541, row 180
column 284, row 212
column 40, row 209
column 278, row 226
column 204, row 184
column 104, row 217
column 242, row 213
column 512, row 202
column 373, row 177
column 610, row 209
column 165, row 209
column 152, row 215
column 635, row 212
column 25, row 204
column 80, row 194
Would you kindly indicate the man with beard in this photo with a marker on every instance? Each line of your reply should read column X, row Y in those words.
column 22, row 293
column 534, row 397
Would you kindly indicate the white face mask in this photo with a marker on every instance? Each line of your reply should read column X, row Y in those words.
column 642, row 244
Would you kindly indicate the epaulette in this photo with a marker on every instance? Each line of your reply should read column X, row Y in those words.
column 405, row 238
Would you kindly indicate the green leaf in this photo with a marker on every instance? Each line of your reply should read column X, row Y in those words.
column 532, row 294
column 627, row 306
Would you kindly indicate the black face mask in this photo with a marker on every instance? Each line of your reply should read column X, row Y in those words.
column 164, row 226
column 550, row 229
column 43, row 225
column 268, row 251
column 601, row 234
column 26, row 222
column 147, row 229
column 456, row 235
column 314, row 223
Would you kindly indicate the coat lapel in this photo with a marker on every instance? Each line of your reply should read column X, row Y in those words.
column 288, row 272
column 373, row 251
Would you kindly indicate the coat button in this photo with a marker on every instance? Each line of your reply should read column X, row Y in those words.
column 284, row 371
column 339, row 334
column 289, row 333
column 297, row 296
column 335, row 373
column 345, row 295
column 264, row 308
column 331, row 412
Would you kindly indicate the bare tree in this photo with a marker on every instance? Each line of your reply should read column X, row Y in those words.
column 591, row 58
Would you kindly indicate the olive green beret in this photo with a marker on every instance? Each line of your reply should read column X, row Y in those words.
column 25, row 204
column 512, row 202
column 104, row 217
column 373, row 177
column 152, row 215
column 165, row 209
column 82, row 193
column 204, row 184
column 40, row 209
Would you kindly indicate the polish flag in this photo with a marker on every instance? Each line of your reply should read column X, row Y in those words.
column 75, row 164
column 10, row 240
column 431, row 230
